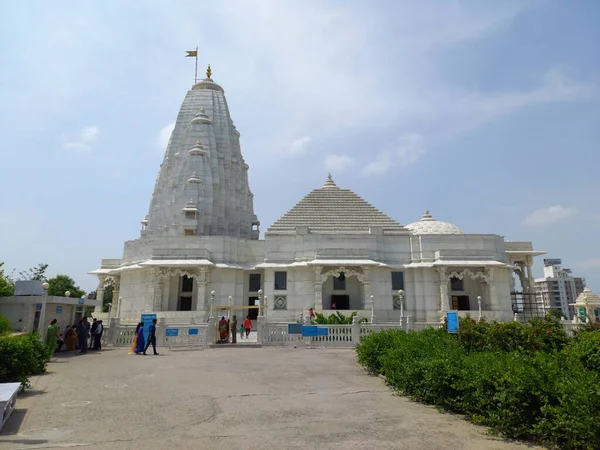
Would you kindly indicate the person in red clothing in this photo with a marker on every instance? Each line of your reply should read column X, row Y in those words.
column 247, row 325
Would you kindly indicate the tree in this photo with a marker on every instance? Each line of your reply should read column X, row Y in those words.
column 7, row 285
column 62, row 283
column 108, row 297
column 37, row 273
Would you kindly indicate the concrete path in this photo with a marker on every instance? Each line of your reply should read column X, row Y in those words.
column 227, row 398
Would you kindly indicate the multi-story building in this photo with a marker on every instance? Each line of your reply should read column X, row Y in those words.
column 558, row 289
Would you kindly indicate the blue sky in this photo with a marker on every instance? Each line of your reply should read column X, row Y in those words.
column 485, row 112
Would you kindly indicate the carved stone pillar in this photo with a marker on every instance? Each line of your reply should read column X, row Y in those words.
column 443, row 284
column 201, row 292
column 366, row 288
column 207, row 291
column 100, row 294
column 491, row 302
column 318, row 283
column 116, row 286
column 157, row 295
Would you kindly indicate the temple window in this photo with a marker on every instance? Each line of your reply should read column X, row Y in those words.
column 397, row 281
column 456, row 284
column 190, row 214
column 254, row 282
column 339, row 283
column 280, row 281
column 187, row 284
column 189, row 232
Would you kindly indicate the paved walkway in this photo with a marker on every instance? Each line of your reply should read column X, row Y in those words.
column 229, row 398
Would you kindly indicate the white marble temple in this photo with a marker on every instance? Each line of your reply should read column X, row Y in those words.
column 333, row 248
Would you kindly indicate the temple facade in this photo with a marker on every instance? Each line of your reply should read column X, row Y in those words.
column 199, row 247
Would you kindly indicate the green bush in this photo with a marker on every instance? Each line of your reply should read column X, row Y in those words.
column 585, row 348
column 375, row 345
column 550, row 396
column 540, row 334
column 335, row 319
column 4, row 325
column 22, row 357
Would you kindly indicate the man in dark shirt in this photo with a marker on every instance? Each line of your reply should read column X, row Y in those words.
column 83, row 333
column 151, row 337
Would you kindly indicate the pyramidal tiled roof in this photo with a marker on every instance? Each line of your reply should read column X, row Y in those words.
column 331, row 209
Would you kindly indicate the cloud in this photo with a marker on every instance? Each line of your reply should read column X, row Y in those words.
column 593, row 263
column 164, row 136
column 81, row 140
column 548, row 216
column 381, row 164
column 298, row 147
column 407, row 150
column 338, row 163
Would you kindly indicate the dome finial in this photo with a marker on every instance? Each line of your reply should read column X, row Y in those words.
column 426, row 215
column 208, row 72
column 329, row 182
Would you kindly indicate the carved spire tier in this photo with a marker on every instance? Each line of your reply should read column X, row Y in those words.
column 203, row 164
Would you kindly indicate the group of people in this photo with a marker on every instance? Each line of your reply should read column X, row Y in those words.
column 140, row 344
column 228, row 328
column 80, row 336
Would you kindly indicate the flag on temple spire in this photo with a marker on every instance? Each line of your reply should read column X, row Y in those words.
column 191, row 53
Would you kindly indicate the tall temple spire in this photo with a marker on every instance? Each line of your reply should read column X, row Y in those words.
column 203, row 164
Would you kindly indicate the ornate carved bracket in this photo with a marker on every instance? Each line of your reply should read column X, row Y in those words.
column 162, row 272
column 346, row 271
column 111, row 280
column 473, row 275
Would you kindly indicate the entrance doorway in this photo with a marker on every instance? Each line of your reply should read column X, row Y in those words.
column 340, row 301
column 36, row 321
column 461, row 303
column 185, row 303
column 253, row 312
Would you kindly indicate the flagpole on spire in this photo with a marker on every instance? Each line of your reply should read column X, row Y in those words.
column 196, row 68
column 194, row 53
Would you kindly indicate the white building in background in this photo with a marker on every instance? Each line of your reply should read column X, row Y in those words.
column 331, row 251
column 558, row 289
column 24, row 309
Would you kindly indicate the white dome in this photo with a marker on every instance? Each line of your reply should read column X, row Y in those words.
column 428, row 225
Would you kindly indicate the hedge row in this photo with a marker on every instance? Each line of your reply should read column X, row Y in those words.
column 550, row 396
column 22, row 357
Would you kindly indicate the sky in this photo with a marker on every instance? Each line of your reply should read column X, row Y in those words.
column 487, row 113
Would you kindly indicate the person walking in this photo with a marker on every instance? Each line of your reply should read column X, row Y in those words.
column 52, row 337
column 135, row 339
column 247, row 325
column 233, row 329
column 71, row 338
column 92, row 335
column 152, row 337
column 83, row 333
column 97, row 335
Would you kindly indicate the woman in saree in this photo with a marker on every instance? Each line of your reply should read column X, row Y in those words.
column 140, row 341
column 134, row 343
column 70, row 338
column 223, row 330
column 52, row 337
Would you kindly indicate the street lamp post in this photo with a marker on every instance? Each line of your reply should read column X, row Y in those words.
column 479, row 308
column 401, row 297
column 229, row 310
column 260, row 310
column 42, row 321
